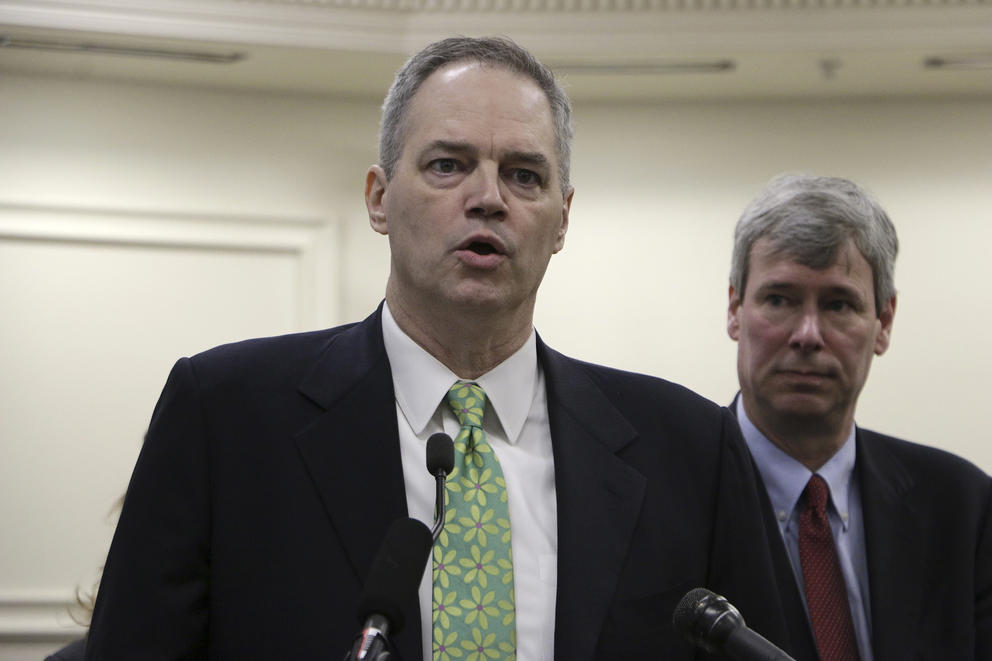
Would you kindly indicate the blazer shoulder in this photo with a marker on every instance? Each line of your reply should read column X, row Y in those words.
column 646, row 400
column 925, row 456
column 264, row 358
column 276, row 344
column 637, row 386
column 943, row 471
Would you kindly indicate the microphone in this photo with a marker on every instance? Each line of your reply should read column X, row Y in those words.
column 394, row 575
column 440, row 462
column 709, row 621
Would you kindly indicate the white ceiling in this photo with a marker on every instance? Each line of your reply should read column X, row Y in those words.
column 605, row 49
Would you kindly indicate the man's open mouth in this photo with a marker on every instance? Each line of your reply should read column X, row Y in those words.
column 482, row 248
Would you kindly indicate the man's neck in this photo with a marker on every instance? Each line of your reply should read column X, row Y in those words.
column 811, row 441
column 469, row 343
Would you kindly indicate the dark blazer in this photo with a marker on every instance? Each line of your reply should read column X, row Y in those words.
column 72, row 652
column 928, row 538
column 271, row 471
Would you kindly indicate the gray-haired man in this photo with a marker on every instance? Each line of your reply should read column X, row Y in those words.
column 896, row 563
column 272, row 468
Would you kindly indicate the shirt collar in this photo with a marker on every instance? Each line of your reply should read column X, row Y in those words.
column 421, row 381
column 785, row 478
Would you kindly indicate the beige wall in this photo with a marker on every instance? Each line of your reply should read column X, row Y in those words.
column 659, row 190
column 139, row 224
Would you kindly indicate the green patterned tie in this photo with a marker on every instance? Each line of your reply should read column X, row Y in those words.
column 473, row 566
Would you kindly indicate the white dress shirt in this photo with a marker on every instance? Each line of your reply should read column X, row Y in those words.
column 517, row 428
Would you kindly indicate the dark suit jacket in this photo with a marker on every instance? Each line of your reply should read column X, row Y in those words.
column 928, row 538
column 271, row 471
column 72, row 652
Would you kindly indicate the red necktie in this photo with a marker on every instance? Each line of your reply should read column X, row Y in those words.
column 826, row 594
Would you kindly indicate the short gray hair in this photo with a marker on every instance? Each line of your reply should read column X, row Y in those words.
column 489, row 51
column 810, row 219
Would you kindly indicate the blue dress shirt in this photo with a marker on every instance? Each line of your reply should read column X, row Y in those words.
column 785, row 479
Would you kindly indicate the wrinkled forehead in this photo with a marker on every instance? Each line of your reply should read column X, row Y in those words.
column 818, row 255
column 842, row 266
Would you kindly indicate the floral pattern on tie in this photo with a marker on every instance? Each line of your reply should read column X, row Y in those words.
column 473, row 606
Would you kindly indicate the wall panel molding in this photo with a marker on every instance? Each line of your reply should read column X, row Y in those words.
column 37, row 602
column 38, row 616
column 311, row 241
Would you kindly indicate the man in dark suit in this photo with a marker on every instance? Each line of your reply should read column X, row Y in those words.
column 273, row 467
column 907, row 533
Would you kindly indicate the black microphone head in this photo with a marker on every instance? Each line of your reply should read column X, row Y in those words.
column 396, row 572
column 440, row 454
column 706, row 619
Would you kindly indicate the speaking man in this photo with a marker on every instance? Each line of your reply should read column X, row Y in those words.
column 584, row 501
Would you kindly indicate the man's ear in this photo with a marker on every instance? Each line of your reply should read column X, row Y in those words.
column 886, row 317
column 375, row 193
column 734, row 314
column 563, row 228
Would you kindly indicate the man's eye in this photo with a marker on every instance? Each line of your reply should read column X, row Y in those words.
column 839, row 306
column 444, row 165
column 775, row 300
column 526, row 177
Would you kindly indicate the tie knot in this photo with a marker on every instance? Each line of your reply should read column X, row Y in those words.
column 468, row 402
column 817, row 493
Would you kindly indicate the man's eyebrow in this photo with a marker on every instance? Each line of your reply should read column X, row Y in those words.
column 776, row 284
column 534, row 158
column 451, row 146
column 850, row 291
column 787, row 285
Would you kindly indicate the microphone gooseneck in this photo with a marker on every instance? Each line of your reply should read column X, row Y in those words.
column 398, row 566
column 440, row 463
column 710, row 622
column 393, row 577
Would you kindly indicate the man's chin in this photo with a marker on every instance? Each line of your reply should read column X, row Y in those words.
column 801, row 405
column 484, row 296
column 480, row 300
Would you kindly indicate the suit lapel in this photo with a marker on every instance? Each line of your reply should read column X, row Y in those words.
column 352, row 452
column 599, row 498
column 800, row 643
column 894, row 551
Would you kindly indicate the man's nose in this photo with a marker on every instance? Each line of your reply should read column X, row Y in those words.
column 807, row 334
column 485, row 195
